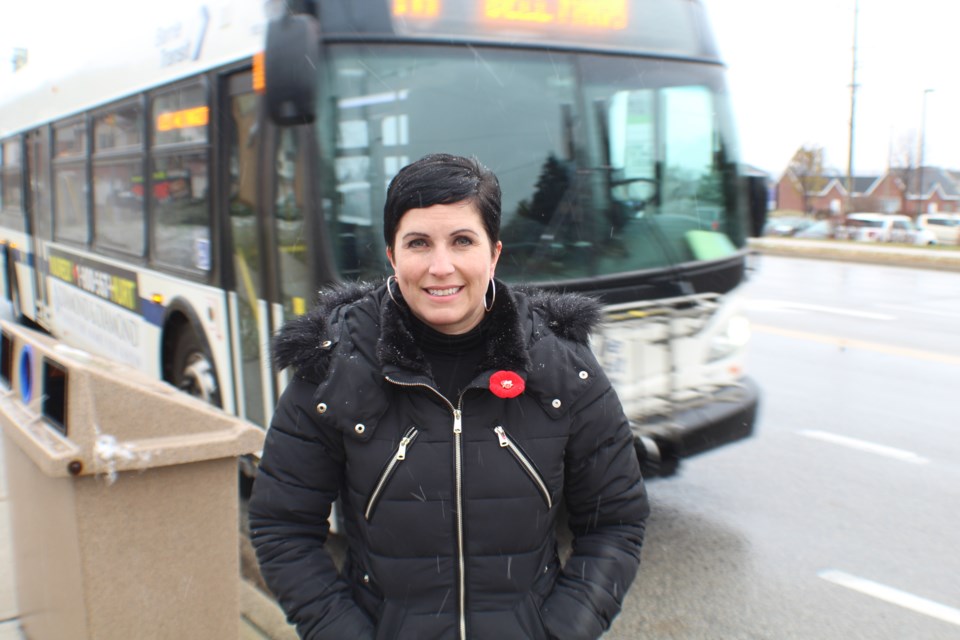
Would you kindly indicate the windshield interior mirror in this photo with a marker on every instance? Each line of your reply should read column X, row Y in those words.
column 630, row 131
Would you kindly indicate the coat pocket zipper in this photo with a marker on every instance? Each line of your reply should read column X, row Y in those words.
column 524, row 463
column 398, row 456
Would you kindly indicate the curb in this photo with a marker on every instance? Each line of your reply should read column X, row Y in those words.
column 899, row 256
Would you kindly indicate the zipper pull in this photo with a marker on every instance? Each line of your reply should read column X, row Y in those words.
column 502, row 436
column 457, row 424
column 402, row 449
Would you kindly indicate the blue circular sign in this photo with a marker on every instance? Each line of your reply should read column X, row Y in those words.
column 26, row 374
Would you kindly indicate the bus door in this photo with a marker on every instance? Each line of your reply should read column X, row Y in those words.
column 13, row 219
column 292, row 260
column 245, row 250
column 39, row 214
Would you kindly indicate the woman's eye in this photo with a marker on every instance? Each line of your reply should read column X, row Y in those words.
column 463, row 240
column 417, row 243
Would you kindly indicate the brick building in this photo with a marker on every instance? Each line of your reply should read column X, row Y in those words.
column 896, row 191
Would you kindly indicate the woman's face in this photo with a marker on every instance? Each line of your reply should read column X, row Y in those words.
column 443, row 261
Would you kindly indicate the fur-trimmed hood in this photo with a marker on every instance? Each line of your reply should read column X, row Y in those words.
column 519, row 317
column 300, row 342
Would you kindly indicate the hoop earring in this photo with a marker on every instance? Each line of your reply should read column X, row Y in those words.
column 390, row 290
column 493, row 298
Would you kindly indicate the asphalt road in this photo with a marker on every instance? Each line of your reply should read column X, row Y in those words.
column 839, row 519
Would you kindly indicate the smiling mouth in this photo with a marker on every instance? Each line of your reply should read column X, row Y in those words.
column 449, row 291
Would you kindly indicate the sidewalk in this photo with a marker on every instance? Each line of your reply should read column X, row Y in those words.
column 870, row 252
column 260, row 618
column 9, row 627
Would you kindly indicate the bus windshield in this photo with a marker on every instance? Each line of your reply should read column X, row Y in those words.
column 608, row 164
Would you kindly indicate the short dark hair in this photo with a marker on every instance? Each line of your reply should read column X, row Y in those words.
column 441, row 178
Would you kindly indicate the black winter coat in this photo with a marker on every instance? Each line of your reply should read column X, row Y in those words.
column 449, row 504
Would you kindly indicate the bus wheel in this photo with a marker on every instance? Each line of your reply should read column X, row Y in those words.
column 193, row 370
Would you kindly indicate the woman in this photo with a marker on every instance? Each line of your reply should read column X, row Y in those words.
column 451, row 415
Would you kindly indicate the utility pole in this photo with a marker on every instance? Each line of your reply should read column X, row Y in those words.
column 853, row 106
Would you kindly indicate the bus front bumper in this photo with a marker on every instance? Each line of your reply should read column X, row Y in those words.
column 663, row 441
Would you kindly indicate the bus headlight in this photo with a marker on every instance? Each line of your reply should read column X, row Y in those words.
column 730, row 339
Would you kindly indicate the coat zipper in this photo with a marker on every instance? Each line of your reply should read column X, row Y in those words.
column 398, row 457
column 458, row 454
column 458, row 468
column 525, row 463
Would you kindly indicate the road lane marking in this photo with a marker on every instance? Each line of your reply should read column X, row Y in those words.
column 893, row 596
column 857, row 344
column 774, row 305
column 863, row 445
column 929, row 312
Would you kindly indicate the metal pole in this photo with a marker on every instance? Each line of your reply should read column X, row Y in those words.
column 853, row 105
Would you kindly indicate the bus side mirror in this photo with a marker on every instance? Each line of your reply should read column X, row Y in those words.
column 291, row 67
column 757, row 198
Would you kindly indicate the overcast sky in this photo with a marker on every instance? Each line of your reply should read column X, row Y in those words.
column 791, row 64
column 790, row 71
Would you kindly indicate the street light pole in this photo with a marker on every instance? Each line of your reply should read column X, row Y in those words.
column 923, row 138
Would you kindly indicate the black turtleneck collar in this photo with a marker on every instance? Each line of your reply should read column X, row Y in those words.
column 453, row 359
column 501, row 340
column 431, row 340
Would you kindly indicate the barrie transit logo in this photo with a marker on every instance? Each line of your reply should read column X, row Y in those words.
column 175, row 43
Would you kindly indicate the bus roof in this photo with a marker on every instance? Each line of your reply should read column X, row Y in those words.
column 99, row 63
column 162, row 42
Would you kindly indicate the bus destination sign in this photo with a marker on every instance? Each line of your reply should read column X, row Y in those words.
column 596, row 14
column 610, row 15
column 183, row 119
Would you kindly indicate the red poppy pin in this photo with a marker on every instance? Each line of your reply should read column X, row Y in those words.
column 506, row 384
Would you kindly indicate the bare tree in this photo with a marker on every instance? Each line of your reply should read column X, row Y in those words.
column 904, row 164
column 807, row 168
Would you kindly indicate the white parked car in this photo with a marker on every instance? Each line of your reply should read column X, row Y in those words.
column 945, row 226
column 886, row 227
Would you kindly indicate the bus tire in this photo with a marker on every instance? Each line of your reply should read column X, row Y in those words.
column 192, row 369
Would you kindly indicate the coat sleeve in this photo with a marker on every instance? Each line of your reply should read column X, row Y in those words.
column 297, row 482
column 607, row 506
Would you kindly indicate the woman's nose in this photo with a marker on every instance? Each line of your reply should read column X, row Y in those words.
column 440, row 263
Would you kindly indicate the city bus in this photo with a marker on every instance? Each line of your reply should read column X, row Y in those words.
column 170, row 200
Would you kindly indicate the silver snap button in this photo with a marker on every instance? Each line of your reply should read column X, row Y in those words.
column 584, row 375
column 556, row 404
column 322, row 407
column 366, row 578
column 359, row 428
column 326, row 344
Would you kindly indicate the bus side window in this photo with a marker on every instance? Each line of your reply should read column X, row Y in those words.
column 70, row 181
column 11, row 213
column 38, row 171
column 180, row 196
column 118, row 205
